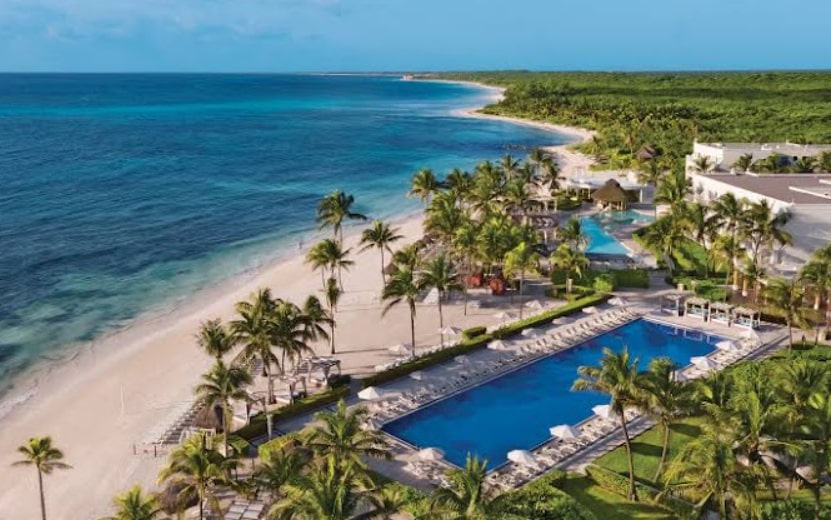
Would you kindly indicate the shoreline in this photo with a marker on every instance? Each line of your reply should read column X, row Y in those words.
column 98, row 397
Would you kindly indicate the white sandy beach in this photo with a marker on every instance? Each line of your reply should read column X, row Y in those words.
column 118, row 390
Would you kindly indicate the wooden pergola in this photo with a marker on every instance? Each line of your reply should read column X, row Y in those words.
column 697, row 308
column 747, row 318
column 721, row 312
column 611, row 195
column 672, row 303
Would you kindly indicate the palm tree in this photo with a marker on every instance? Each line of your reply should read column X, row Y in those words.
column 752, row 275
column 291, row 332
column 331, row 491
column 408, row 257
column 702, row 164
column 197, row 469
column 785, row 297
column 804, row 165
column 817, row 427
column 572, row 233
column 380, row 236
column 466, row 498
column 824, row 162
column 317, row 318
column 666, row 235
column 443, row 218
column 133, row 504
column 387, row 502
column 254, row 328
column 730, row 215
column 459, row 183
column 439, row 273
column 465, row 246
column 744, row 162
column 282, row 464
column 403, row 286
column 329, row 253
column 341, row 438
column 617, row 376
column 763, row 227
column 673, row 191
column 509, row 166
column 707, row 467
column 701, row 226
column 333, row 209
column 333, row 294
column 215, row 339
column 521, row 258
column 570, row 260
column 666, row 399
column 221, row 385
column 40, row 453
column 424, row 185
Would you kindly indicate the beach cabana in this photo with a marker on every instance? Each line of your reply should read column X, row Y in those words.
column 611, row 195
column 522, row 457
column 672, row 302
column 703, row 362
column 370, row 393
column 721, row 312
column 604, row 411
column 431, row 454
column 564, row 431
column 697, row 308
column 747, row 318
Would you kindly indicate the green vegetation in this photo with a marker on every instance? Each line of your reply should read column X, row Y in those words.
column 607, row 505
column 666, row 111
column 544, row 500
column 619, row 278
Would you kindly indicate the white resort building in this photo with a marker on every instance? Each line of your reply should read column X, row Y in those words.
column 723, row 156
column 806, row 196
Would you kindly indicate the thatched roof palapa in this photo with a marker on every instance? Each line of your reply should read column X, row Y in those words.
column 610, row 192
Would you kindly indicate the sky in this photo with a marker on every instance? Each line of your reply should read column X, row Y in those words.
column 419, row 35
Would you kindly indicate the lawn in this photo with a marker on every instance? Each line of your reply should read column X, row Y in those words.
column 608, row 506
column 646, row 450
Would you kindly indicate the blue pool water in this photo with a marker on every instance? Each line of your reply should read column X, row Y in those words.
column 601, row 241
column 516, row 410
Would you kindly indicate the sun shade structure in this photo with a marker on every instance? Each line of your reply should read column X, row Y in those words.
column 564, row 431
column 504, row 315
column 534, row 304
column 418, row 375
column 530, row 333
column 726, row 345
column 497, row 344
column 590, row 310
column 450, row 331
column 522, row 457
column 617, row 302
column 611, row 195
column 703, row 362
column 402, row 349
column 603, row 410
column 431, row 454
column 370, row 393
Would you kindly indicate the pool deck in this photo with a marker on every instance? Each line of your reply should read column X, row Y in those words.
column 452, row 377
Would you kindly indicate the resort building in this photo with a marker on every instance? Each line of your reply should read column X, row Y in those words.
column 723, row 156
column 807, row 197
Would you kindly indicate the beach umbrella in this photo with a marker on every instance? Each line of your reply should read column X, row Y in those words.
column 590, row 310
column 562, row 320
column 564, row 431
column 504, row 315
column 497, row 344
column 430, row 454
column 751, row 335
column 703, row 362
column 402, row 349
column 418, row 375
column 530, row 333
column 617, row 301
column 534, row 304
column 522, row 457
column 726, row 345
column 370, row 393
column 603, row 411
column 450, row 331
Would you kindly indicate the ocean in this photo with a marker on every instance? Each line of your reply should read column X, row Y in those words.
column 120, row 195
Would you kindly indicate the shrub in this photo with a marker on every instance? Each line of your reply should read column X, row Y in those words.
column 258, row 426
column 336, row 381
column 473, row 332
column 793, row 510
column 619, row 485
column 543, row 500
column 604, row 283
column 631, row 278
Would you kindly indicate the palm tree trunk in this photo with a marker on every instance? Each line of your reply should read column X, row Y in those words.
column 441, row 320
column 42, row 497
column 332, row 335
column 521, row 283
column 201, row 503
column 383, row 265
column 790, row 336
column 225, row 432
column 267, row 365
column 412, row 327
column 664, row 448
column 633, row 495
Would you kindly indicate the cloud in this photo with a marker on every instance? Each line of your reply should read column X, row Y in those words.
column 113, row 18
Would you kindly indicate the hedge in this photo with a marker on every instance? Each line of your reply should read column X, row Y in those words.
column 619, row 485
column 258, row 426
column 478, row 342
column 473, row 332
column 623, row 278
column 542, row 500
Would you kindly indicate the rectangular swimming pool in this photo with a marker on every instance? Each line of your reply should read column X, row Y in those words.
column 516, row 410
column 600, row 240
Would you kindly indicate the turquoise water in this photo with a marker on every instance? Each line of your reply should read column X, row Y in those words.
column 124, row 193
column 516, row 410
column 600, row 240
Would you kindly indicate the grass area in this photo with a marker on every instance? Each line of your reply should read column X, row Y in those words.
column 646, row 450
column 608, row 506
